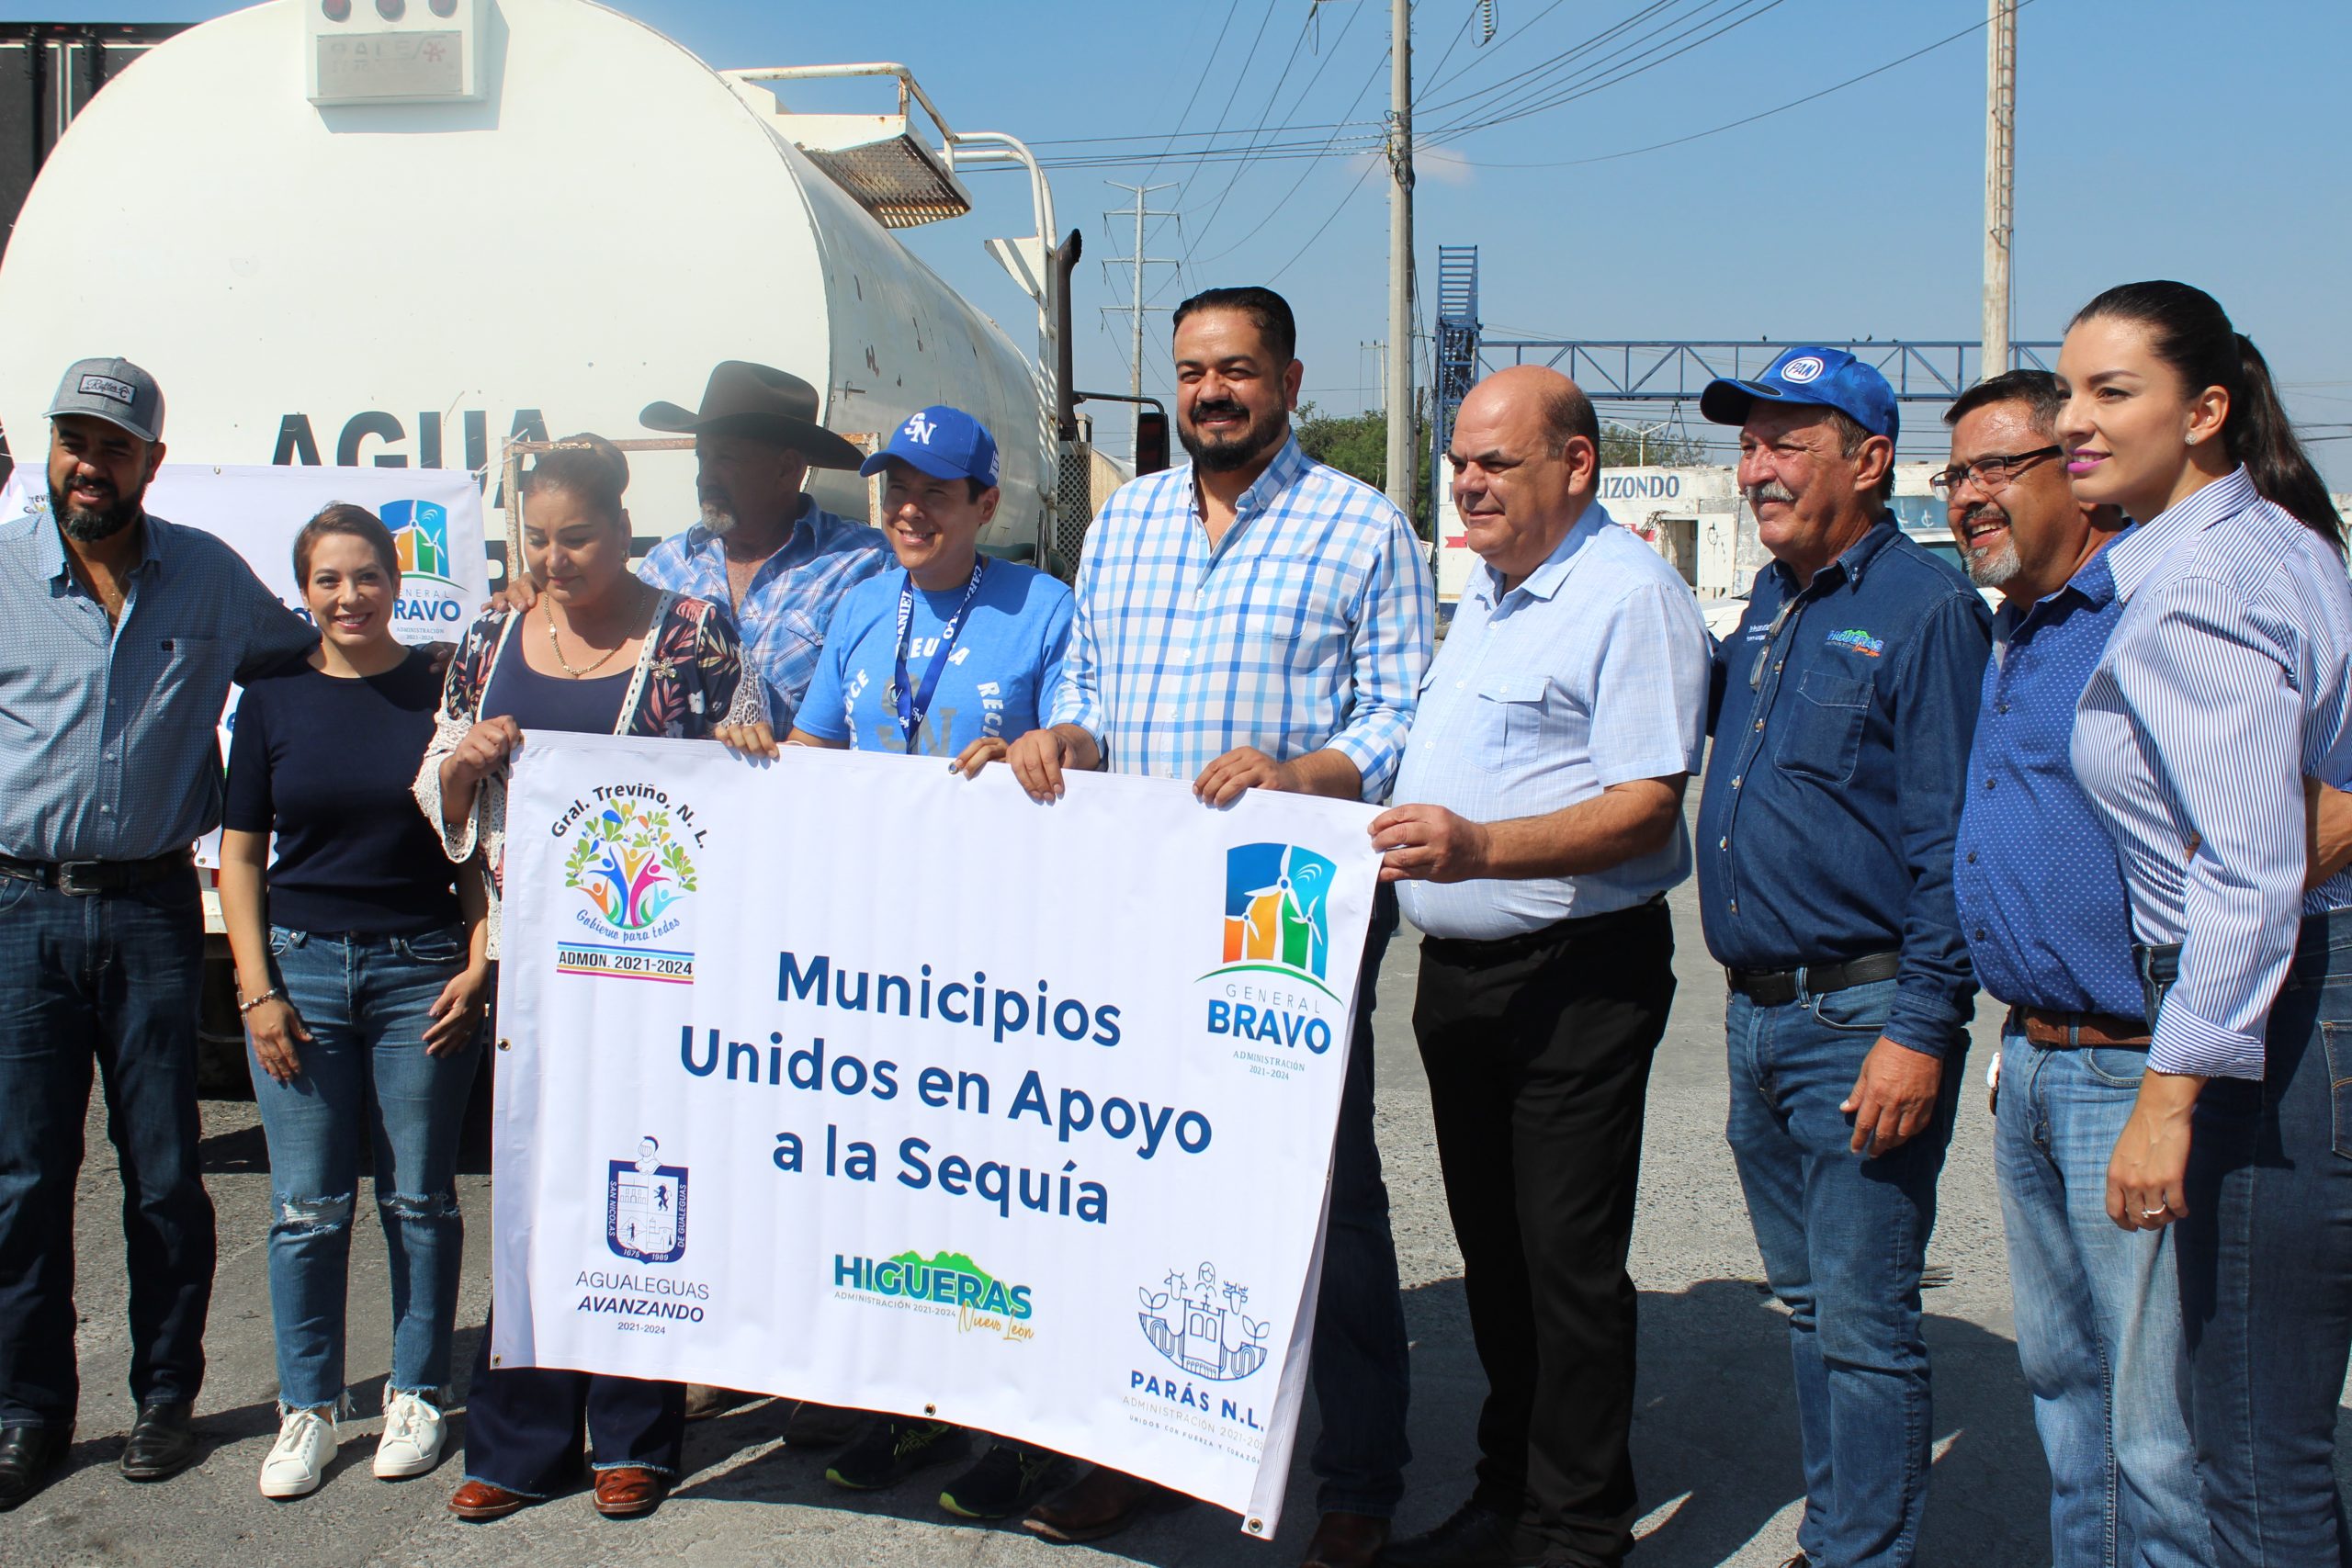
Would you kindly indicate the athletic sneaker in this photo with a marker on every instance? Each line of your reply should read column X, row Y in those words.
column 1003, row 1482
column 306, row 1440
column 890, row 1449
column 412, row 1441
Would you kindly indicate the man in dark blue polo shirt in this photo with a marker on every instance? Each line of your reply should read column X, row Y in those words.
column 2042, row 906
column 1843, row 707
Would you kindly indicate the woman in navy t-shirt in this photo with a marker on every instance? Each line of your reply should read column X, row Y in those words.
column 361, row 973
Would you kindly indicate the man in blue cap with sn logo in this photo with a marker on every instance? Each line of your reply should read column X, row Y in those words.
column 1842, row 711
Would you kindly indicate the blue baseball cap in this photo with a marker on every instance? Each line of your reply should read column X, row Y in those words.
column 946, row 442
column 1829, row 377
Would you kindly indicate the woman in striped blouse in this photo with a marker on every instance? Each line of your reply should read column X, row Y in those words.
column 2228, row 681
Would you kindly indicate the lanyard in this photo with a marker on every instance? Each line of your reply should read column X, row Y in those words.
column 913, row 706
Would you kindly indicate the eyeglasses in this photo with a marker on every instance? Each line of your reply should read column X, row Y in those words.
column 1992, row 474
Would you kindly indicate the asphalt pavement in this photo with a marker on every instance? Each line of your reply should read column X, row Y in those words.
column 1715, row 1444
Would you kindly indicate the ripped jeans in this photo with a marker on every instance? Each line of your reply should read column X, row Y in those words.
column 364, row 1078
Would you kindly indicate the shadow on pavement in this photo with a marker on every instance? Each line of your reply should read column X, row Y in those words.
column 1714, row 1436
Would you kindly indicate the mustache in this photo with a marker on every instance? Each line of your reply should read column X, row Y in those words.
column 1221, row 406
column 1770, row 490
column 1981, row 511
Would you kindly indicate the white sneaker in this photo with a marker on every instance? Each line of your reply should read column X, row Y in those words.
column 412, row 1441
column 306, row 1440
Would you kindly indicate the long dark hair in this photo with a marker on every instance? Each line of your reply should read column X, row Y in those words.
column 2191, row 333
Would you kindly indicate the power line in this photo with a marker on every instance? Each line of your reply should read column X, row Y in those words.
column 1581, row 86
column 1242, row 166
column 1186, row 112
column 1745, row 119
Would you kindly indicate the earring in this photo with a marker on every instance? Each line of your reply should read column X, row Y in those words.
column 2192, row 438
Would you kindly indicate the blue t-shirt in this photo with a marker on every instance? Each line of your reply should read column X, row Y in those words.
column 999, row 679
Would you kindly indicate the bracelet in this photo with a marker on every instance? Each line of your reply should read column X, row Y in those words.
column 271, row 995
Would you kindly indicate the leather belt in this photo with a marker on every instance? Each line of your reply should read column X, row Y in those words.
column 84, row 878
column 2049, row 1027
column 1777, row 987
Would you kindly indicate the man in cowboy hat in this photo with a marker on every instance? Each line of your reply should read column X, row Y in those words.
column 764, row 549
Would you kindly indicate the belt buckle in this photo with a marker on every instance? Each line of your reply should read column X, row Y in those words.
column 70, row 873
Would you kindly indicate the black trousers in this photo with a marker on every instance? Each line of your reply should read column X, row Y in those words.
column 1538, row 1051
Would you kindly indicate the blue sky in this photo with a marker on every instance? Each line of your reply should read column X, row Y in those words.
column 2157, row 138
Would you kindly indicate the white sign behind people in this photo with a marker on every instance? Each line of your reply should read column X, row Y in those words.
column 849, row 1079
column 434, row 515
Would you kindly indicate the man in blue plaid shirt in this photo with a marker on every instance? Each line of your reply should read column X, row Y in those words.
column 1255, row 620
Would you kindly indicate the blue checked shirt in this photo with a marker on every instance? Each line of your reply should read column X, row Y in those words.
column 109, row 745
column 2227, row 681
column 792, row 597
column 2034, row 874
column 1308, row 626
column 1591, row 672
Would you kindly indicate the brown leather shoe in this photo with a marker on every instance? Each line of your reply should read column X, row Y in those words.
column 1346, row 1540
column 1103, row 1502
column 630, row 1492
column 479, row 1501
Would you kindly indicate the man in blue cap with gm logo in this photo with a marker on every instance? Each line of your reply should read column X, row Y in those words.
column 1842, row 711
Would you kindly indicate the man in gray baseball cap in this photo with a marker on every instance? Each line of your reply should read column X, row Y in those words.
column 115, row 390
column 124, row 632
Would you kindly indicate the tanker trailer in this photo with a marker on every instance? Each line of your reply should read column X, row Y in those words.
column 404, row 233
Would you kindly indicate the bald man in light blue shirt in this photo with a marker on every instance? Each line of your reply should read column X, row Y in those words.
column 1539, row 826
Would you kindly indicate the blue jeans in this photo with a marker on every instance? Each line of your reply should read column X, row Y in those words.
column 1359, row 1360
column 2266, row 1273
column 364, row 1078
column 1844, row 1237
column 2097, row 1316
column 110, row 979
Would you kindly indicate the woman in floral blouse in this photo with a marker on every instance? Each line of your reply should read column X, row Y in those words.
column 601, row 653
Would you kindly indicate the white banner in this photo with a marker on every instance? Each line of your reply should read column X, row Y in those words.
column 435, row 515
column 846, row 1078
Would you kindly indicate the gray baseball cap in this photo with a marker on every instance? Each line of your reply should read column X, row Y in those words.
column 115, row 390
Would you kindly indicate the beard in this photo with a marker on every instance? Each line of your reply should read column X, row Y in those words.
column 1994, row 570
column 87, row 525
column 718, row 515
column 1223, row 455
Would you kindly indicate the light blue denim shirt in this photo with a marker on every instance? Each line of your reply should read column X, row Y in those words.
column 1591, row 672
column 109, row 743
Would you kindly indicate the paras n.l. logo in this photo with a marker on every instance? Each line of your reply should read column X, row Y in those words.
column 1198, row 1323
column 645, row 1206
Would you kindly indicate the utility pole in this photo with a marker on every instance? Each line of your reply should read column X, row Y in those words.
column 1139, row 261
column 2000, row 179
column 1396, row 376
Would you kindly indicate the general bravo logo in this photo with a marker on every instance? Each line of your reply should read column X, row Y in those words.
column 645, row 1206
column 420, row 546
column 1276, row 943
column 632, row 867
